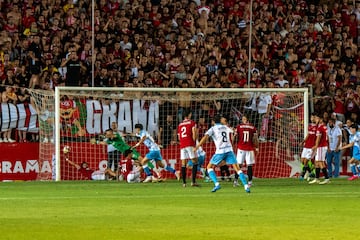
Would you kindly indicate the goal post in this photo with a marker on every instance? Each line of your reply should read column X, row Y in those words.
column 84, row 113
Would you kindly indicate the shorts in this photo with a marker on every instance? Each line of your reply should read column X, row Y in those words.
column 133, row 177
column 321, row 154
column 155, row 155
column 245, row 156
column 356, row 153
column 307, row 153
column 187, row 153
column 229, row 158
column 98, row 175
column 201, row 161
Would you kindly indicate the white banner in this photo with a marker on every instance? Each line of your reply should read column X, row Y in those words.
column 18, row 116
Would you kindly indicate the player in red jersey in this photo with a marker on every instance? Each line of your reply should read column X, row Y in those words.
column 187, row 134
column 90, row 174
column 247, row 143
column 307, row 152
column 321, row 146
column 130, row 168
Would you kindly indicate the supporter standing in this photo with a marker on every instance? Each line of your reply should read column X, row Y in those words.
column 333, row 154
column 73, row 68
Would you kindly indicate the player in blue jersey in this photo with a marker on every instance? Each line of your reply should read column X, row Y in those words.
column 153, row 154
column 221, row 135
column 354, row 142
column 201, row 160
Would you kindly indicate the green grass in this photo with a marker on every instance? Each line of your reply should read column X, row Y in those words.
column 276, row 209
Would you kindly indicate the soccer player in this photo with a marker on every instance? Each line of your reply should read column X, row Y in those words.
column 113, row 154
column 201, row 160
column 321, row 147
column 89, row 173
column 247, row 144
column 117, row 141
column 154, row 153
column 354, row 142
column 187, row 134
column 307, row 153
column 221, row 135
column 130, row 168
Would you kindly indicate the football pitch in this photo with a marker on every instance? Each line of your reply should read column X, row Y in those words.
column 278, row 209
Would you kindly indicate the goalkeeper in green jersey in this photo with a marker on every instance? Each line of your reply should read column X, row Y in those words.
column 117, row 141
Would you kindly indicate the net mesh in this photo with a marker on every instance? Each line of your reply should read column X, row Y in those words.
column 45, row 107
column 87, row 113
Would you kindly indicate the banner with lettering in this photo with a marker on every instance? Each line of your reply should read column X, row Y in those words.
column 20, row 161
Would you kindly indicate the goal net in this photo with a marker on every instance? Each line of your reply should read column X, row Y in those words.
column 82, row 115
column 45, row 107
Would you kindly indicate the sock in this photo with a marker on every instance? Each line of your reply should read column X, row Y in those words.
column 146, row 170
column 203, row 171
column 303, row 170
column 170, row 169
column 194, row 171
column 353, row 168
column 317, row 173
column 223, row 172
column 242, row 177
column 324, row 171
column 236, row 177
column 227, row 172
column 357, row 169
column 212, row 175
column 250, row 173
column 183, row 173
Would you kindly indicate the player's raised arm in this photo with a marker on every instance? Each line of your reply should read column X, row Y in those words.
column 77, row 166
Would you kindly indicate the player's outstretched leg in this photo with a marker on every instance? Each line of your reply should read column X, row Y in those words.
column 148, row 173
column 169, row 169
column 354, row 172
column 242, row 177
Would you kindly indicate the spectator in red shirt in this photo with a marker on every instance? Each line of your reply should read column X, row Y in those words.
column 28, row 18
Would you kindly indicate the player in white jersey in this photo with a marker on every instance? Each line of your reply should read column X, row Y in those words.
column 221, row 135
column 153, row 154
column 355, row 144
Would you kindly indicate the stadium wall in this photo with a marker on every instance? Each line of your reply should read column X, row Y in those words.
column 19, row 161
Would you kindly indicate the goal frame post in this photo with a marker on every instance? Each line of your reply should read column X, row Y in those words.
column 60, row 89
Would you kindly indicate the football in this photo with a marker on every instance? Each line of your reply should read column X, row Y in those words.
column 66, row 149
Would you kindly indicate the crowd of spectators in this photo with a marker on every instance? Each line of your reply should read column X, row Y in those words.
column 168, row 43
